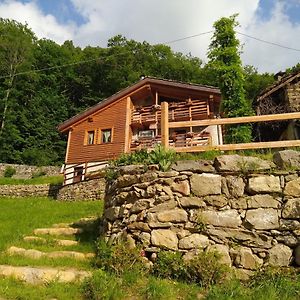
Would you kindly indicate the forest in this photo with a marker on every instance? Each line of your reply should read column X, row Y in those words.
column 43, row 83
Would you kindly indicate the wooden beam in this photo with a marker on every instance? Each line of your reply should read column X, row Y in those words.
column 238, row 120
column 165, row 124
column 243, row 146
column 127, row 125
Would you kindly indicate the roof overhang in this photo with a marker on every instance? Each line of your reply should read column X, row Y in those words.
column 148, row 83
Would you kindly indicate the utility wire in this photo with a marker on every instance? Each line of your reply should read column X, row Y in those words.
column 166, row 43
column 267, row 42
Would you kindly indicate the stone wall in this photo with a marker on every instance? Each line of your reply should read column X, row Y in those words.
column 241, row 207
column 26, row 172
column 39, row 190
column 85, row 190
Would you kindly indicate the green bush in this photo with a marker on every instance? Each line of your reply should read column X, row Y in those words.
column 119, row 258
column 204, row 269
column 170, row 265
column 103, row 286
column 9, row 172
column 39, row 173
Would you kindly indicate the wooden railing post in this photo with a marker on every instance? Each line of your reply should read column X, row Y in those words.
column 165, row 124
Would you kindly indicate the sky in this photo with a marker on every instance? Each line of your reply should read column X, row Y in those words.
column 93, row 22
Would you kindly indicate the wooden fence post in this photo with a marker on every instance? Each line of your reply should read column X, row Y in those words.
column 165, row 124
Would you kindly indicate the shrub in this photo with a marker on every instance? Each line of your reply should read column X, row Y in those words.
column 119, row 258
column 170, row 265
column 103, row 286
column 9, row 172
column 204, row 269
column 39, row 173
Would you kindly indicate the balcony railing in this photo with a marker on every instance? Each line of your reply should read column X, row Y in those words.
column 180, row 140
column 178, row 111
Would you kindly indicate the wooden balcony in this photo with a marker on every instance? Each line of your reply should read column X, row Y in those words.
column 178, row 111
column 180, row 140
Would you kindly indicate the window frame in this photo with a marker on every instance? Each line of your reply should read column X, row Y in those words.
column 101, row 135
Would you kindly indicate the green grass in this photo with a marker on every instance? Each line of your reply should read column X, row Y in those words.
column 37, row 180
column 20, row 216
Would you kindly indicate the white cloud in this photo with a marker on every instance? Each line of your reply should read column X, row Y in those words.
column 278, row 29
column 160, row 21
column 42, row 24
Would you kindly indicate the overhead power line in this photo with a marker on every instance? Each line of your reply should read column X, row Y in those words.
column 166, row 43
column 267, row 42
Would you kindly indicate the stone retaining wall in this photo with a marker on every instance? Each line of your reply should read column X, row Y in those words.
column 26, row 172
column 85, row 190
column 239, row 206
column 39, row 190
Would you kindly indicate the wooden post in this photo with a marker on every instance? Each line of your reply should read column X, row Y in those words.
column 165, row 124
column 127, row 125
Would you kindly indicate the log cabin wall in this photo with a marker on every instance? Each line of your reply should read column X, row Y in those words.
column 110, row 117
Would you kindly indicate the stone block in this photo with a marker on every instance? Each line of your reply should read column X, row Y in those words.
column 181, row 187
column 205, row 184
column 193, row 241
column 291, row 209
column 194, row 166
column 292, row 188
column 237, row 163
column 174, row 216
column 264, row 184
column 236, row 186
column 191, row 202
column 164, row 238
column 262, row 218
column 226, row 218
column 280, row 256
column 262, row 201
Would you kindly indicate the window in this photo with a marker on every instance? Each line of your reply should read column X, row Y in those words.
column 146, row 134
column 106, row 136
column 91, row 137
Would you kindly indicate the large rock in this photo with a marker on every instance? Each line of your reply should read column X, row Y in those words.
column 292, row 188
column 194, row 241
column 237, row 163
column 262, row 201
column 264, row 184
column 223, row 251
column 262, row 219
column 297, row 255
column 236, row 186
column 226, row 218
column 291, row 209
column 247, row 260
column 194, row 166
column 280, row 256
column 244, row 237
column 175, row 216
column 287, row 159
column 205, row 184
column 164, row 238
column 181, row 187
column 191, row 202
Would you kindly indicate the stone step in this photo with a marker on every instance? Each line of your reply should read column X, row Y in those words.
column 58, row 231
column 39, row 275
column 36, row 254
column 45, row 241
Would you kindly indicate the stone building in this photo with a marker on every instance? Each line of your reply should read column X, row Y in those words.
column 281, row 97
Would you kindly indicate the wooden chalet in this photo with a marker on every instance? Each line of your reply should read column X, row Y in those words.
column 281, row 97
column 130, row 120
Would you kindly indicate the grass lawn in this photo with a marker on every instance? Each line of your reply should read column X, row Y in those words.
column 37, row 180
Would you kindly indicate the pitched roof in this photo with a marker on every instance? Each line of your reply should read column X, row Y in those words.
column 130, row 89
column 278, row 85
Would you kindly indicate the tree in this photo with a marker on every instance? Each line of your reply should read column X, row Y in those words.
column 224, row 58
column 16, row 42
